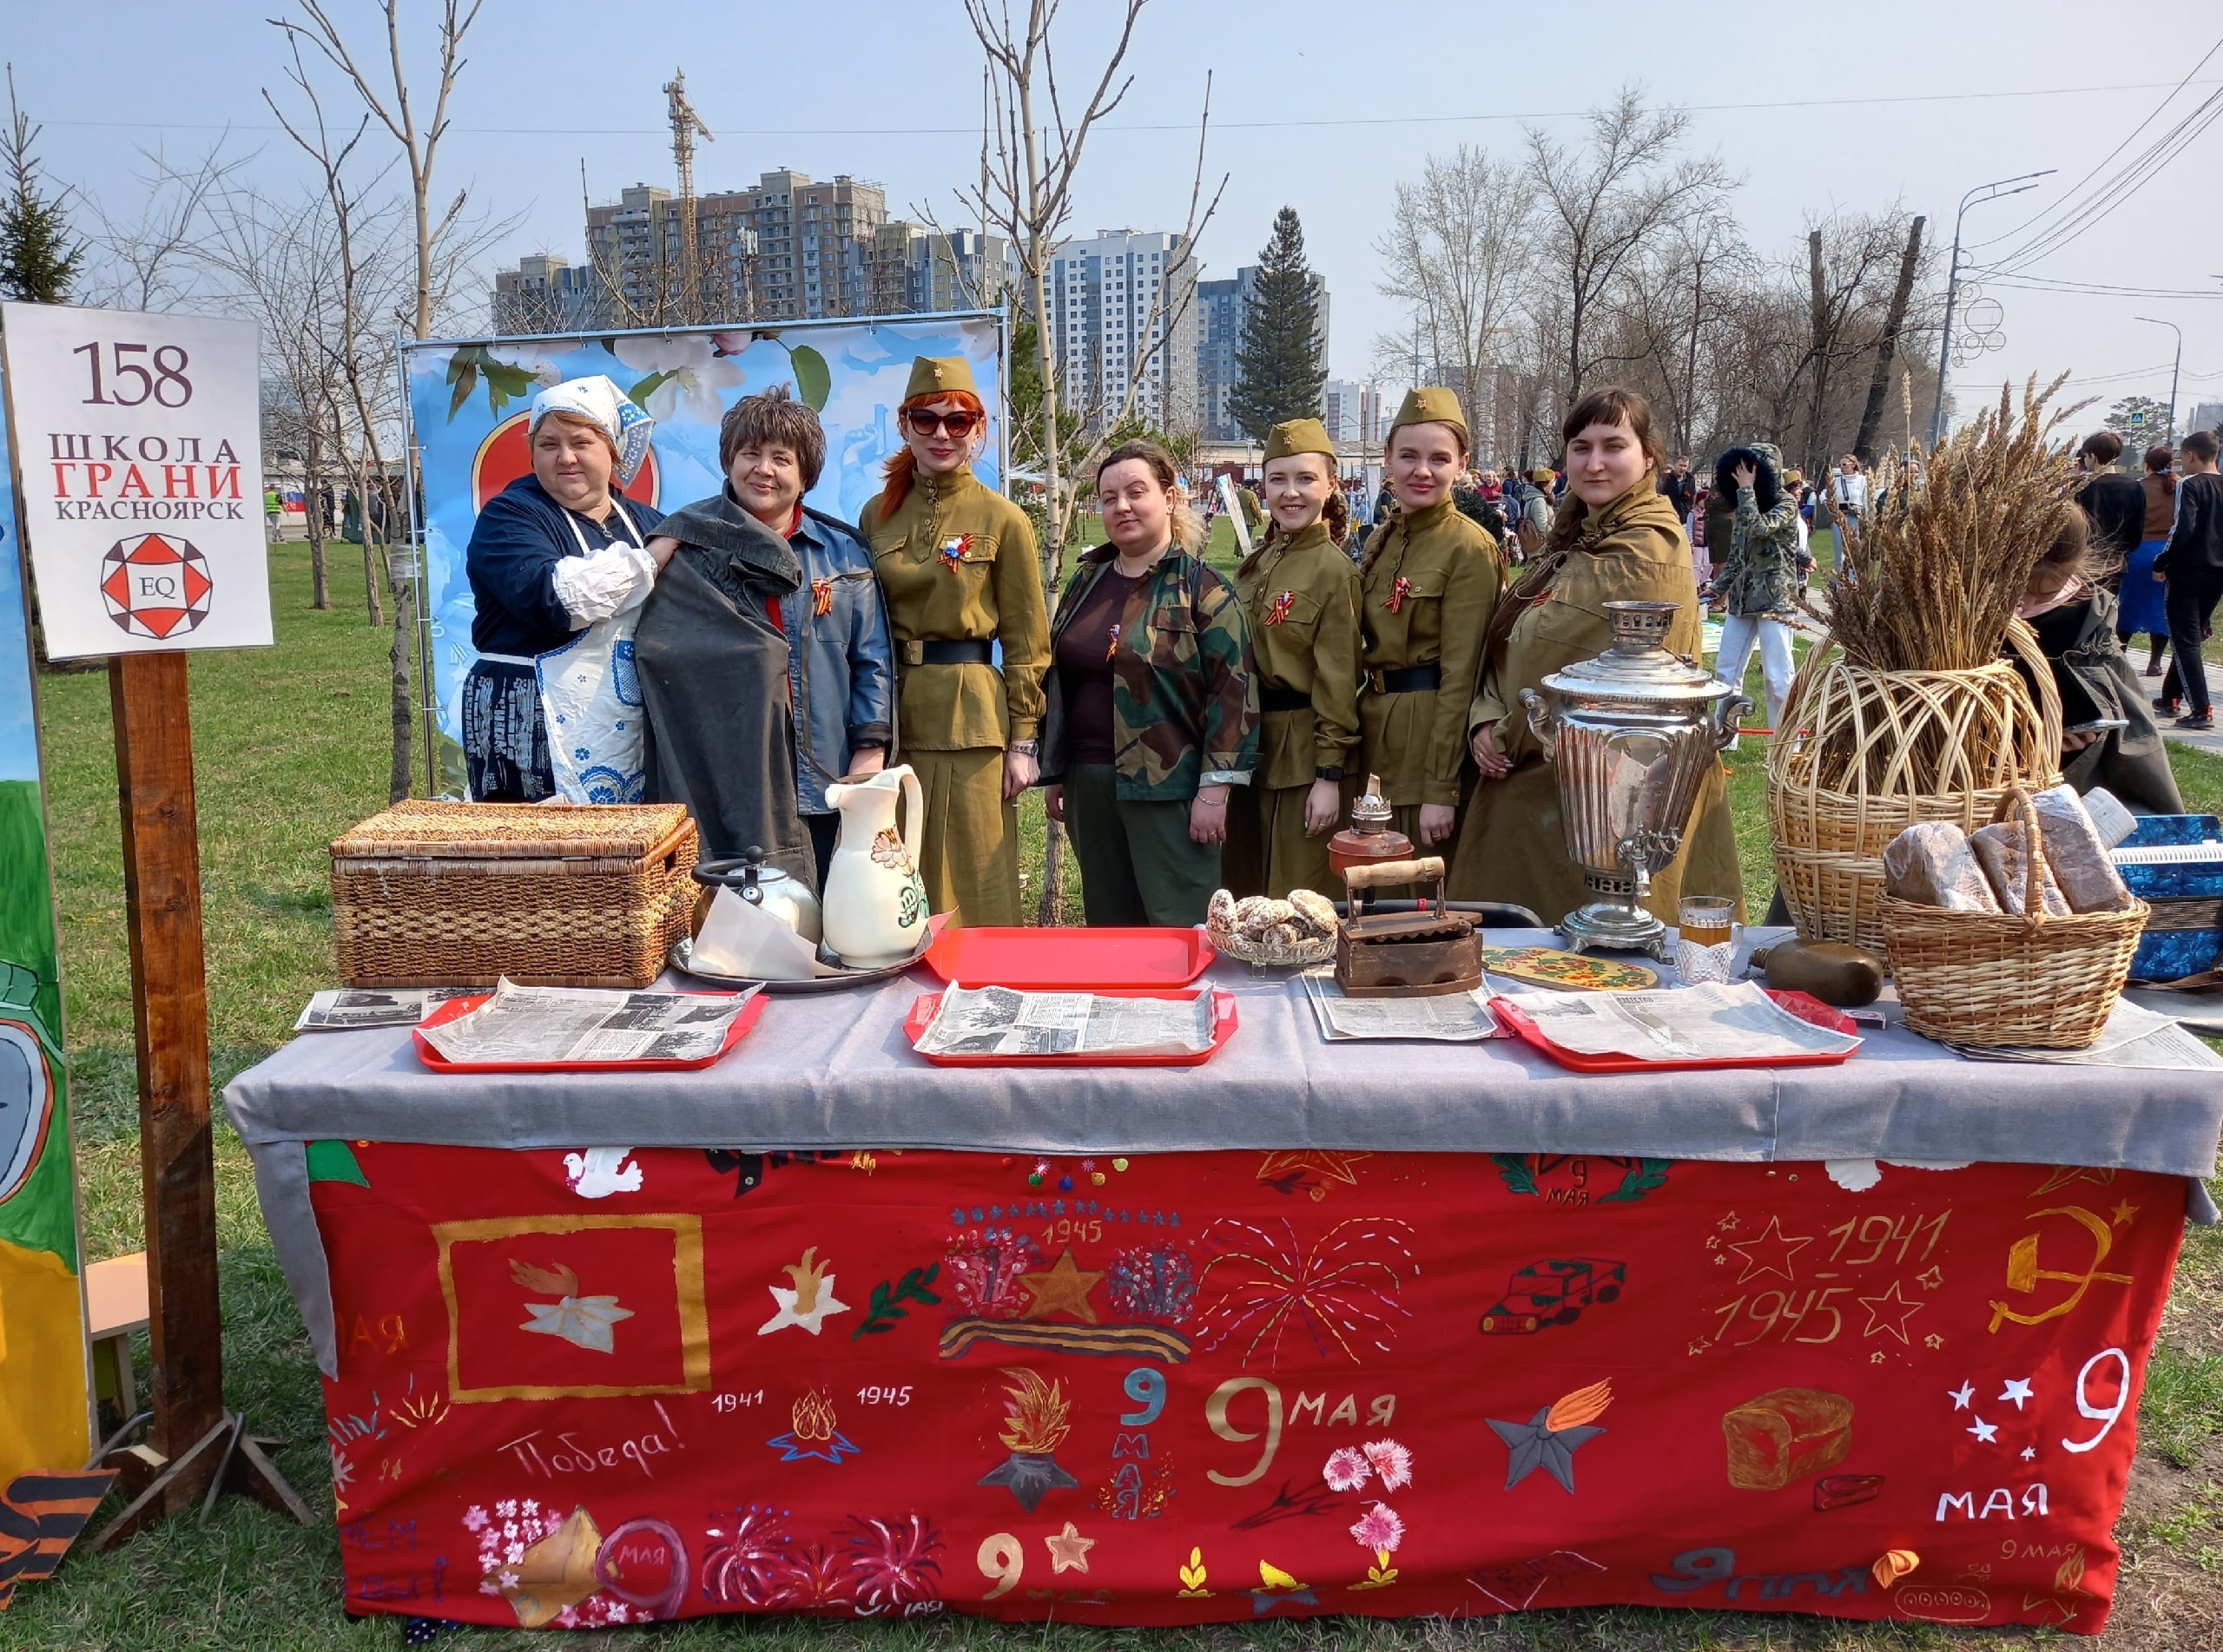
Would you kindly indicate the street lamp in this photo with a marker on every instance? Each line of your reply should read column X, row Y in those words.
column 2175, row 372
column 1983, row 192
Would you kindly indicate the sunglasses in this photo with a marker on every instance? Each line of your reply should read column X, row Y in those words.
column 925, row 422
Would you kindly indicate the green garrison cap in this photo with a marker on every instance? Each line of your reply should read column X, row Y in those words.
column 1430, row 405
column 1298, row 435
column 934, row 376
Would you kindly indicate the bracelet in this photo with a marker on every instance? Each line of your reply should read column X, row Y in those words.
column 1026, row 748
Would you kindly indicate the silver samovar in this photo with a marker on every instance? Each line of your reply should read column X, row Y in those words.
column 1633, row 733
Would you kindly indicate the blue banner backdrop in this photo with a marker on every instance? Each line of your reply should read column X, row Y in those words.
column 468, row 400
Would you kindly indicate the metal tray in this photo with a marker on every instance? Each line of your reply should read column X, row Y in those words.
column 683, row 949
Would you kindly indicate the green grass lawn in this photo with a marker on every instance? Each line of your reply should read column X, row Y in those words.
column 291, row 748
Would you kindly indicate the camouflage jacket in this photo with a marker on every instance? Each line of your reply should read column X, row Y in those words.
column 1759, row 571
column 1184, row 704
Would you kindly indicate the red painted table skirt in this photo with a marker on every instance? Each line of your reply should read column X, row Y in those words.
column 585, row 1389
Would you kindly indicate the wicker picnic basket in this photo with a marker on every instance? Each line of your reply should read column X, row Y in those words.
column 1976, row 978
column 432, row 893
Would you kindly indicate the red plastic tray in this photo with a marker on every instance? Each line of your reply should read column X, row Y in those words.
column 1070, row 960
column 1798, row 1003
column 751, row 1013
column 1223, row 1026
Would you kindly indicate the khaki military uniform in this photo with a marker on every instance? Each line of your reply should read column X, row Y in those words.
column 957, row 561
column 1300, row 599
column 1511, row 844
column 1429, row 586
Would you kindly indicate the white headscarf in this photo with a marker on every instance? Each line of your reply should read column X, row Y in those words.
column 598, row 400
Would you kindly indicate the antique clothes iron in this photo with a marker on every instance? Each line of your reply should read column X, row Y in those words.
column 1633, row 733
column 1403, row 954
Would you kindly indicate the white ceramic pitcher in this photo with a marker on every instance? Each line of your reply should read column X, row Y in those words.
column 875, row 903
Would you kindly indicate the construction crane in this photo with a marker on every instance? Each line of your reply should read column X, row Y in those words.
column 685, row 123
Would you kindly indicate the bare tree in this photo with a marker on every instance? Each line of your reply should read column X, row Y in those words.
column 1029, row 169
column 1886, row 344
column 385, row 97
column 1031, row 154
column 1603, row 201
column 443, row 247
column 276, row 260
column 152, row 262
column 1461, row 252
column 1848, row 255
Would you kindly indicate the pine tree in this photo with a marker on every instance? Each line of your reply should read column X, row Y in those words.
column 38, row 256
column 1280, row 374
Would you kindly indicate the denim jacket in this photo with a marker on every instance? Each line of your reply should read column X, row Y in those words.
column 841, row 667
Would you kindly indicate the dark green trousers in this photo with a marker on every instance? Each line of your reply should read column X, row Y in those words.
column 1138, row 866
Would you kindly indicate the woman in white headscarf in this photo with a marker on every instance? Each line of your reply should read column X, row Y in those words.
column 560, row 566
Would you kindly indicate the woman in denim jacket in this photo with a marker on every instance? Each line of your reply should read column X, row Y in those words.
column 841, row 670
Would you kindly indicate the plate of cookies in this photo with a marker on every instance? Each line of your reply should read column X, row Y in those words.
column 1268, row 932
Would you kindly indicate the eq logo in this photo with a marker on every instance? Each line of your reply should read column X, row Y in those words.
column 155, row 585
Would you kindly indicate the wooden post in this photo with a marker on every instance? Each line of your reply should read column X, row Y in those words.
column 180, row 1467
column 169, row 992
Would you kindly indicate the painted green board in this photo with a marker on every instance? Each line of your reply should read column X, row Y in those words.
column 45, row 1420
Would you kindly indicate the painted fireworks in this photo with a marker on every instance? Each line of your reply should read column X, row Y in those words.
column 1341, row 1295
column 886, row 1566
column 1155, row 1282
column 984, row 1271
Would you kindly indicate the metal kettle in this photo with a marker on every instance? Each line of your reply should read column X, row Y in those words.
column 777, row 893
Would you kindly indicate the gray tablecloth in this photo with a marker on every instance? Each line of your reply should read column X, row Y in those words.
column 836, row 1070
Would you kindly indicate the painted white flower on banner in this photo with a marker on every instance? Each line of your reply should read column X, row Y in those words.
column 683, row 373
column 531, row 359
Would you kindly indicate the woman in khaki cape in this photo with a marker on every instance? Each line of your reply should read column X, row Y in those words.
column 1428, row 585
column 958, row 566
column 1300, row 594
column 1615, row 537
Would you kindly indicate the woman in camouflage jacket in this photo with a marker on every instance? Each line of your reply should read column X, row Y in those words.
column 1152, row 715
column 1757, row 576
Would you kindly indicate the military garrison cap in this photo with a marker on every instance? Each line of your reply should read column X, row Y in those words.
column 1298, row 435
column 933, row 376
column 1430, row 405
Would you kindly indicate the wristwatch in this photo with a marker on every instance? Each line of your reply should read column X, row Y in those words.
column 1027, row 748
column 1328, row 772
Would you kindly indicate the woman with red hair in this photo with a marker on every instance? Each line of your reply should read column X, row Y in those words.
column 958, row 566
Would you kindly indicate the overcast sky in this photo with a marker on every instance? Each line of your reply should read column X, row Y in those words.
column 1320, row 106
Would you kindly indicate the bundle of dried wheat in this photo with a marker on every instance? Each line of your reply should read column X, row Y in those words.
column 1930, row 581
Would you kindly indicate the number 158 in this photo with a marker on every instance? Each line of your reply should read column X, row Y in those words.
column 166, row 384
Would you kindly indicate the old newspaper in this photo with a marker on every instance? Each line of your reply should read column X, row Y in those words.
column 998, row 1021
column 1738, row 1022
column 585, row 1024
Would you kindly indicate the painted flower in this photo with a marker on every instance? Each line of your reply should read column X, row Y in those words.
column 1392, row 1462
column 1346, row 1470
column 506, row 1580
column 687, row 373
column 475, row 1519
column 1379, row 1528
column 529, row 359
column 507, row 1508
column 343, row 1471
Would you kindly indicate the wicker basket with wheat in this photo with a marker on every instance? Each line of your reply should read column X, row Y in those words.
column 1910, row 711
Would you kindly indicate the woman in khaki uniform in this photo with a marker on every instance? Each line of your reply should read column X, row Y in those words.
column 1300, row 595
column 958, row 566
column 1428, row 585
column 1614, row 536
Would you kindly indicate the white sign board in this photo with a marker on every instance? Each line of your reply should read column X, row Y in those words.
column 138, row 448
